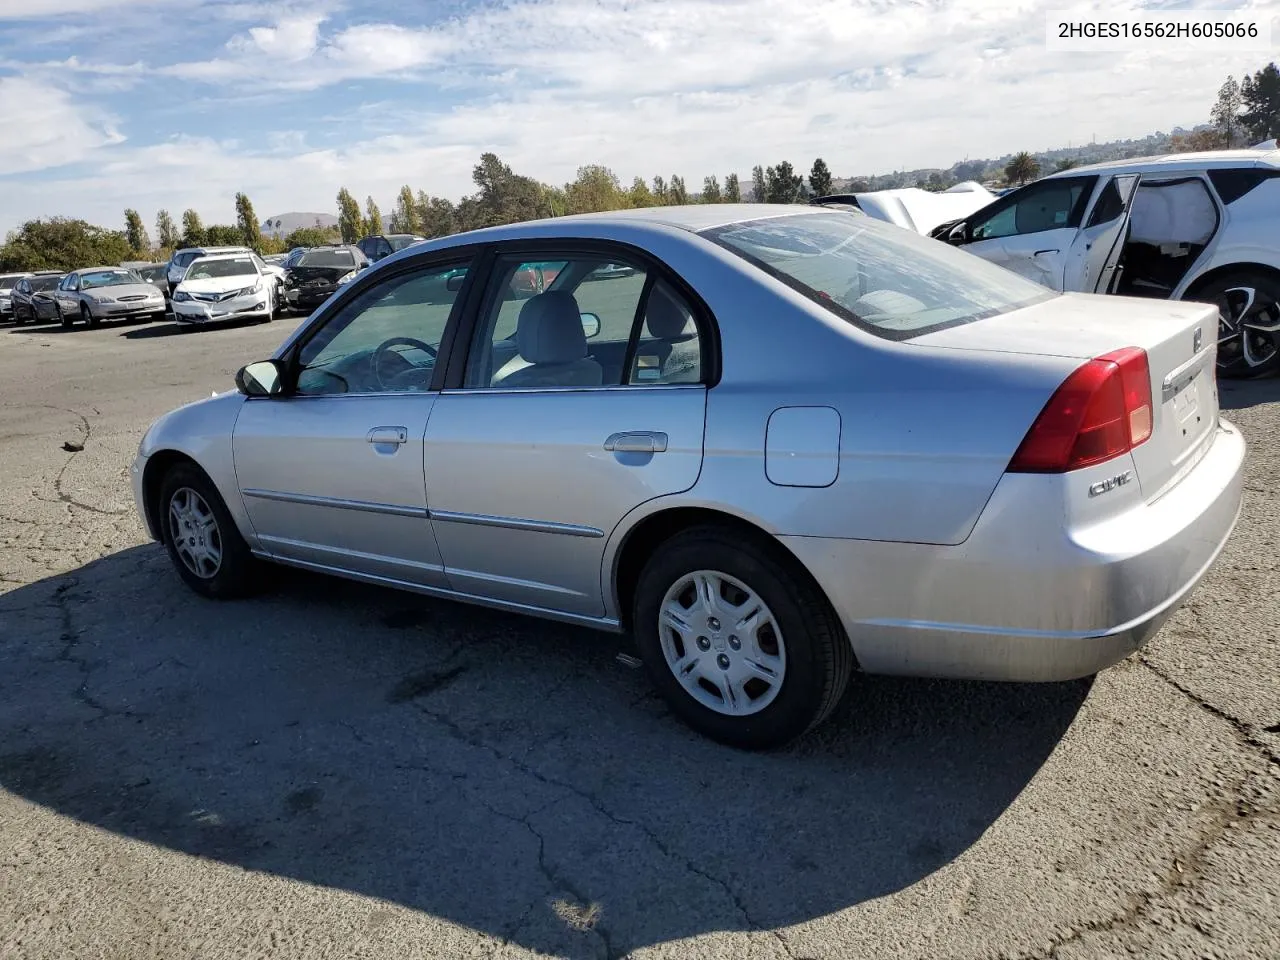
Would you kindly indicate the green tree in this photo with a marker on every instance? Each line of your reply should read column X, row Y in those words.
column 820, row 178
column 758, row 188
column 732, row 189
column 678, row 193
column 437, row 217
column 1066, row 163
column 503, row 195
column 247, row 222
column 350, row 222
column 1260, row 97
column 782, row 184
column 405, row 219
column 1225, row 115
column 1021, row 168
column 373, row 217
column 166, row 233
column 711, row 192
column 192, row 229
column 136, row 234
column 310, row 237
column 661, row 195
column 60, row 243
column 640, row 195
column 595, row 188
column 224, row 235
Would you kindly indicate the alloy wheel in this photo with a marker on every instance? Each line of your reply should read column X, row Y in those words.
column 722, row 643
column 194, row 531
column 1248, row 326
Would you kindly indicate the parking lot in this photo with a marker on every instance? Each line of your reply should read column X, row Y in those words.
column 339, row 770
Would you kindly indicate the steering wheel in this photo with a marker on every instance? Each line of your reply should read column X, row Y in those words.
column 388, row 380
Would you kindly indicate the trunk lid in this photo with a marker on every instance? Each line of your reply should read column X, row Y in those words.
column 1180, row 340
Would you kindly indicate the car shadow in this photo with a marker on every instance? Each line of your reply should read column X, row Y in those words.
column 172, row 328
column 55, row 326
column 1240, row 394
column 499, row 772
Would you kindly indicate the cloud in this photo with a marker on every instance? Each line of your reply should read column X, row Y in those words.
column 45, row 128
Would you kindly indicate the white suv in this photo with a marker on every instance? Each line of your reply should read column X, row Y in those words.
column 1191, row 226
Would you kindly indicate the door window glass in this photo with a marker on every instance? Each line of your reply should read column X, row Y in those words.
column 386, row 339
column 1047, row 205
column 1109, row 205
column 669, row 349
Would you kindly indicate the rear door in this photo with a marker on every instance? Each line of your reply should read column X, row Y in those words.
column 534, row 455
column 1094, row 256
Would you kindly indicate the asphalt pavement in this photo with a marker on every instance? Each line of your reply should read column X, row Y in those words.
column 334, row 770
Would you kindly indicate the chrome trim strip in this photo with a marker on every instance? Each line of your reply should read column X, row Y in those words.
column 1181, row 376
column 517, row 523
column 337, row 503
column 607, row 624
column 353, row 554
column 612, row 388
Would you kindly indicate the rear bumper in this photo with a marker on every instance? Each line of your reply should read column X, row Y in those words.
column 1026, row 597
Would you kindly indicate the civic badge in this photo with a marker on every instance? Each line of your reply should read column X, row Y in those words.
column 1196, row 339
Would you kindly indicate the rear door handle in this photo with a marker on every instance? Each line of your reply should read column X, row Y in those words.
column 1038, row 252
column 639, row 441
column 396, row 435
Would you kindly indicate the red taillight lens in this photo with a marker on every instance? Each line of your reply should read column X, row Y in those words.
column 1101, row 411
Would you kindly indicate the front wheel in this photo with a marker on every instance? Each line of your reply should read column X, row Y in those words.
column 201, row 537
column 87, row 316
column 63, row 318
column 1248, row 323
column 739, row 641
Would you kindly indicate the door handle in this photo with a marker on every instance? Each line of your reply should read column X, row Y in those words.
column 381, row 435
column 1038, row 252
column 639, row 441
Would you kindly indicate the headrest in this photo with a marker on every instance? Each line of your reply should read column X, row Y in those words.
column 550, row 329
column 665, row 314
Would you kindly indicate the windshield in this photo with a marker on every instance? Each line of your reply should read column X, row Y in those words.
column 215, row 269
column 886, row 279
column 327, row 258
column 399, row 243
column 44, row 283
column 107, row 278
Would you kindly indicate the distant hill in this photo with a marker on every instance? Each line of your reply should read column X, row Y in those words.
column 283, row 224
column 993, row 169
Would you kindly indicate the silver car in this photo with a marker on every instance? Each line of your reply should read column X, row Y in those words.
column 790, row 444
column 95, row 294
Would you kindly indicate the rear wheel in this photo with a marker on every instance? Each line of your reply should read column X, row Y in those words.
column 739, row 641
column 1248, row 323
column 201, row 537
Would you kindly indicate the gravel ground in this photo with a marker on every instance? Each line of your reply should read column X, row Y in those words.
column 333, row 770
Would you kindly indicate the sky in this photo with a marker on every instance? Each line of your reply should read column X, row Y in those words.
column 107, row 104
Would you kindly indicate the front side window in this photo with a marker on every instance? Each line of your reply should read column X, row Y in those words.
column 386, row 339
column 886, row 280
column 1047, row 205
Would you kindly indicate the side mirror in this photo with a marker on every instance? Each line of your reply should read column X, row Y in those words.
column 959, row 233
column 590, row 325
column 263, row 378
column 454, row 283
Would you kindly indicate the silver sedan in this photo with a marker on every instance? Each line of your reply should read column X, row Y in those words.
column 778, row 446
column 106, row 293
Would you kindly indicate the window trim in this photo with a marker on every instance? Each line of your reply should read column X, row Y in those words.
column 470, row 255
column 548, row 248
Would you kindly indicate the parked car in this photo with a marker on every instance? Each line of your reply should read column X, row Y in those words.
column 225, row 286
column 33, row 297
column 913, row 208
column 385, row 244
column 105, row 293
column 182, row 258
column 319, row 272
column 792, row 442
column 7, row 282
column 1190, row 226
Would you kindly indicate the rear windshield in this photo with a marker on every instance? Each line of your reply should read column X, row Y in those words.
column 327, row 258
column 883, row 278
column 7, row 283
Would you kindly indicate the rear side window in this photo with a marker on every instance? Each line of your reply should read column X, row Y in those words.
column 1234, row 184
column 882, row 278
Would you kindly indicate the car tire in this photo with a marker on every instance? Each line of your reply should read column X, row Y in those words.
column 63, row 318
column 1248, row 323
column 87, row 316
column 158, row 317
column 201, row 536
column 17, row 318
column 795, row 637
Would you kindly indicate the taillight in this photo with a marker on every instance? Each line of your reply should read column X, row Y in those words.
column 1101, row 411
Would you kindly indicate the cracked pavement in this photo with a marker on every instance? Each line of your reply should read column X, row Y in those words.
column 333, row 770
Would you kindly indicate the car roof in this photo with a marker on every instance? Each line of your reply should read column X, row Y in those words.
column 224, row 255
column 1205, row 160
column 105, row 266
column 210, row 249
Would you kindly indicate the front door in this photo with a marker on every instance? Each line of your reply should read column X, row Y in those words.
column 1095, row 251
column 332, row 472
column 576, row 405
